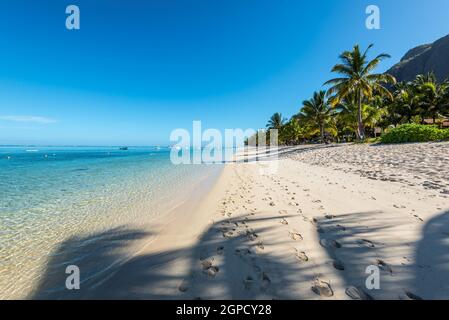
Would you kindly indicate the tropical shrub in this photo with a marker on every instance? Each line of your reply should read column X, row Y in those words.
column 415, row 133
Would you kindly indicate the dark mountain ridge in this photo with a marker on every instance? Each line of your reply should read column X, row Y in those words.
column 422, row 59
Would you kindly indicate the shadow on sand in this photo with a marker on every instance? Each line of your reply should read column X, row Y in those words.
column 424, row 274
column 431, row 272
column 222, row 264
column 227, row 262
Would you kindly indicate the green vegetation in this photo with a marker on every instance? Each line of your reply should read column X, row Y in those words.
column 358, row 83
column 415, row 133
column 360, row 105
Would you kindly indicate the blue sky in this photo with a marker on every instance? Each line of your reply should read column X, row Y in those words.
column 138, row 69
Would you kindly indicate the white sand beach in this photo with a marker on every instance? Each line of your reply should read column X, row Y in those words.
column 307, row 231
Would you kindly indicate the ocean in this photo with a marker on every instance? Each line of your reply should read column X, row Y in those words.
column 51, row 194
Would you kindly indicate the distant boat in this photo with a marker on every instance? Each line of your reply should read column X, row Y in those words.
column 123, row 148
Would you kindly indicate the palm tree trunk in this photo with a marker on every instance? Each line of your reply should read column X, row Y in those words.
column 322, row 132
column 361, row 129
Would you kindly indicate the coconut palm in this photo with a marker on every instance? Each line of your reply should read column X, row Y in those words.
column 347, row 114
column 292, row 132
column 406, row 101
column 357, row 78
column 317, row 110
column 433, row 96
column 276, row 121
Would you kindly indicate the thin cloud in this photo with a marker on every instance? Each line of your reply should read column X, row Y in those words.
column 29, row 119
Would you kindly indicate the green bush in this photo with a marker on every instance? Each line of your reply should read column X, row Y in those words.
column 415, row 133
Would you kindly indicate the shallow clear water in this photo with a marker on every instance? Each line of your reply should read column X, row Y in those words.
column 50, row 194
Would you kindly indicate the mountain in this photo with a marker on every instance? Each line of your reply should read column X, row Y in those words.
column 423, row 59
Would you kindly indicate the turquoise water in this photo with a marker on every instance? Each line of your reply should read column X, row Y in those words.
column 48, row 194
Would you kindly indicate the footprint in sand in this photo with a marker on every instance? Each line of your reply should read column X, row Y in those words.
column 251, row 235
column 228, row 234
column 208, row 268
column 212, row 271
column 322, row 288
column 220, row 250
column 301, row 255
column 365, row 243
column 357, row 293
column 184, row 286
column 295, row 235
column 248, row 282
column 283, row 221
column 329, row 216
column 338, row 265
column 330, row 243
column 242, row 252
column 260, row 245
column 206, row 264
column 293, row 203
column 407, row 295
column 266, row 281
column 384, row 266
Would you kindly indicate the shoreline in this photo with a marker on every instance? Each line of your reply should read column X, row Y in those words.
column 132, row 240
column 306, row 231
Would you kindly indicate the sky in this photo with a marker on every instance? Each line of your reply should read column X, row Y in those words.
column 138, row 69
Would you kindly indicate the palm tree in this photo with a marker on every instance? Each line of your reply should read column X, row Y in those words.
column 347, row 114
column 292, row 132
column 316, row 110
column 357, row 78
column 433, row 96
column 276, row 121
column 406, row 101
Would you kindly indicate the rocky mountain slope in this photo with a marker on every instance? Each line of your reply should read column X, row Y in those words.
column 422, row 59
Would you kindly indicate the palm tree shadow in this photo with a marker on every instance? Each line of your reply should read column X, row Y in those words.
column 244, row 270
column 353, row 250
column 222, row 264
column 95, row 255
column 431, row 272
column 424, row 276
column 227, row 262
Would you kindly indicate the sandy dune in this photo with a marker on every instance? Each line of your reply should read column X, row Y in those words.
column 308, row 230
